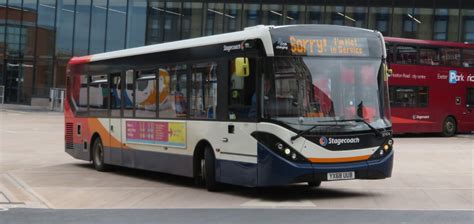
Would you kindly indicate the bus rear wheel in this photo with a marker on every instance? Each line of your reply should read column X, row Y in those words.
column 208, row 169
column 98, row 156
column 449, row 127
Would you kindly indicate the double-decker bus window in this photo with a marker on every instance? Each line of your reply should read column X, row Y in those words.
column 468, row 58
column 242, row 94
column 470, row 97
column 128, row 95
column 450, row 57
column 429, row 56
column 204, row 90
column 409, row 96
column 98, row 95
column 115, row 95
column 389, row 48
column 406, row 54
column 145, row 93
column 172, row 91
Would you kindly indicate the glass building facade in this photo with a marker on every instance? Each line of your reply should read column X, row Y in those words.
column 38, row 37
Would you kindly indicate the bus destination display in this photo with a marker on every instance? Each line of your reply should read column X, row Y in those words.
column 328, row 46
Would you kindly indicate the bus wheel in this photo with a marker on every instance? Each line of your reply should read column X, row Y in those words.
column 208, row 169
column 314, row 183
column 98, row 156
column 449, row 127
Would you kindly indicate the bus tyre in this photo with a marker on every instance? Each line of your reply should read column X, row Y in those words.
column 98, row 156
column 314, row 183
column 208, row 167
column 449, row 127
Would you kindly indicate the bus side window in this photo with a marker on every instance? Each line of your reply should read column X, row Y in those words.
column 468, row 58
column 173, row 91
column 389, row 48
column 242, row 93
column 204, row 90
column 429, row 56
column 145, row 93
column 115, row 95
column 127, row 94
column 98, row 95
column 406, row 54
column 450, row 57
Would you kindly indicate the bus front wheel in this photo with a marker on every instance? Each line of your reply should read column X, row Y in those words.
column 449, row 127
column 314, row 183
column 208, row 169
column 98, row 156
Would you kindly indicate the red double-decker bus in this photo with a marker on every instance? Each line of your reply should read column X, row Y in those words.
column 432, row 86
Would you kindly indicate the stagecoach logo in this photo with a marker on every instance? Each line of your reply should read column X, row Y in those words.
column 281, row 45
column 233, row 47
column 323, row 141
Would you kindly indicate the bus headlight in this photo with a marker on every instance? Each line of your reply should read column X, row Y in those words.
column 383, row 150
column 279, row 147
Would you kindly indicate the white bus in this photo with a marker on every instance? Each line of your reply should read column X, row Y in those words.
column 269, row 105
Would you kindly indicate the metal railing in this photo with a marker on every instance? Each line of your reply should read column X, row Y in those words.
column 2, row 94
column 56, row 99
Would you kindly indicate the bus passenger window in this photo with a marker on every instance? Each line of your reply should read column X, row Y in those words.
column 468, row 58
column 242, row 93
column 115, row 95
column 172, row 91
column 128, row 94
column 79, row 94
column 429, row 56
column 409, row 96
column 389, row 48
column 98, row 96
column 406, row 54
column 204, row 90
column 145, row 94
column 450, row 57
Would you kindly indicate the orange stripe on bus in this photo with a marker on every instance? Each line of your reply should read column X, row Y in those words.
column 339, row 160
column 96, row 126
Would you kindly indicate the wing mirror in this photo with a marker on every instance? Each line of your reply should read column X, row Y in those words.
column 242, row 68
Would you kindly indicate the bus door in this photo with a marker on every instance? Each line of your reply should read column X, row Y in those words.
column 469, row 109
column 115, row 127
column 237, row 143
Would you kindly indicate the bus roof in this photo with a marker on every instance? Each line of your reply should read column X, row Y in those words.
column 256, row 32
column 260, row 32
column 429, row 42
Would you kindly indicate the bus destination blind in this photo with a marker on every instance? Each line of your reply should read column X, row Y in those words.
column 328, row 46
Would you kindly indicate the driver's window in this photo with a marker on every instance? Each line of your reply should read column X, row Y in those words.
column 242, row 96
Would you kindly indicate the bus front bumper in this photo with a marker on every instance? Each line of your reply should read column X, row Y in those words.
column 275, row 170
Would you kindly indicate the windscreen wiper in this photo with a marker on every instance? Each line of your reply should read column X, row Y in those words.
column 377, row 132
column 301, row 133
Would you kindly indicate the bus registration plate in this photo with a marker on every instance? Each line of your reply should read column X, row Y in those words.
column 341, row 176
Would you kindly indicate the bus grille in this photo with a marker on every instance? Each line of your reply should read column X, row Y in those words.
column 69, row 130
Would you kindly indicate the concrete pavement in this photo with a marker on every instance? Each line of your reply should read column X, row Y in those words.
column 430, row 173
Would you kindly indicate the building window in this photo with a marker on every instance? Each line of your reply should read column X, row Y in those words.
column 272, row 14
column 214, row 20
column 408, row 96
column 295, row 14
column 98, row 19
column 233, row 16
column 192, row 19
column 440, row 31
column 251, row 13
column 116, row 19
column 172, row 23
column 136, row 24
column 314, row 14
column 155, row 18
column 379, row 19
column 468, row 23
